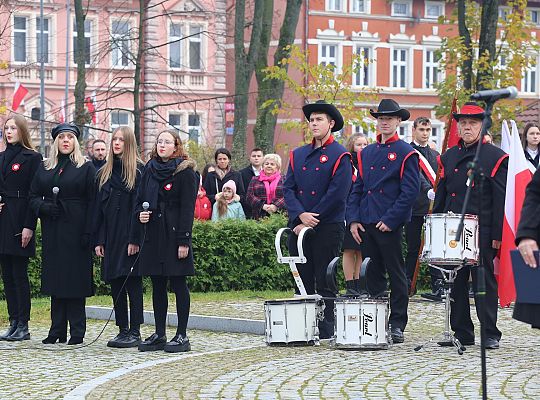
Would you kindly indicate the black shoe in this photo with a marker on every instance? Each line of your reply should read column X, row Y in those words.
column 351, row 288
column 118, row 338
column 20, row 334
column 9, row 331
column 469, row 342
column 491, row 344
column 397, row 335
column 153, row 343
column 130, row 338
column 75, row 340
column 53, row 339
column 179, row 343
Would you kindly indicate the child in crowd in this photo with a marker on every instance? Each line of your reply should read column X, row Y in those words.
column 227, row 203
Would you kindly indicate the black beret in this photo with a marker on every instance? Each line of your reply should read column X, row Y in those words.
column 63, row 127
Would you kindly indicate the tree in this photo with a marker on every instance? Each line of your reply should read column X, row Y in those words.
column 474, row 61
column 81, row 117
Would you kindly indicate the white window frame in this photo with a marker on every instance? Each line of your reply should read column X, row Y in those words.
column 87, row 35
column 181, row 116
column 330, row 5
column 526, row 86
column 193, row 39
column 48, row 32
column 172, row 38
column 197, row 128
column 369, row 67
column 537, row 11
column 327, row 59
column 129, row 119
column 399, row 64
column 503, row 11
column 409, row 4
column 353, row 10
column 437, row 132
column 116, row 48
column 434, row 68
column 440, row 4
column 407, row 131
column 26, row 37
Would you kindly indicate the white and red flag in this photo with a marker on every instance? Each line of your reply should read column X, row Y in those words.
column 518, row 177
column 62, row 111
column 18, row 95
column 90, row 102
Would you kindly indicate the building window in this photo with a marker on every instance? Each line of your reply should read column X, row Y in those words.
column 20, row 26
column 399, row 68
column 358, row 6
column 528, row 83
column 194, row 127
column 431, row 69
column 119, row 118
column 434, row 9
column 175, row 121
column 403, row 132
column 503, row 13
column 87, row 41
column 328, row 55
column 334, row 5
column 175, row 46
column 42, row 33
column 402, row 8
column 362, row 69
column 534, row 16
column 120, row 43
column 195, row 47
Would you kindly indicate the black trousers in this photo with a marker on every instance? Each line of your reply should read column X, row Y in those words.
column 413, row 237
column 132, row 289
column 384, row 249
column 460, row 317
column 321, row 246
column 16, row 287
column 160, row 302
column 68, row 310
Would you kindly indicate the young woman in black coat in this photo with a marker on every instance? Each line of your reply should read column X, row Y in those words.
column 213, row 183
column 66, row 224
column 118, row 234
column 169, row 185
column 18, row 165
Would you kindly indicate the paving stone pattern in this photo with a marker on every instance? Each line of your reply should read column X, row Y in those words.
column 216, row 369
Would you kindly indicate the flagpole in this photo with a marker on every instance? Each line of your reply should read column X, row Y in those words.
column 68, row 26
column 42, row 82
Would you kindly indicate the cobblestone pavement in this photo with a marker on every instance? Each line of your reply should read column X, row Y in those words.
column 238, row 366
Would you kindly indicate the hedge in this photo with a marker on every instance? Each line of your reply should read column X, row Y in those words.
column 229, row 255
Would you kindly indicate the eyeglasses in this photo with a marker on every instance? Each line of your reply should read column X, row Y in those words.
column 167, row 142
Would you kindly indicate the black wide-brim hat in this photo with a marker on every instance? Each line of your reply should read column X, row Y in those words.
column 64, row 127
column 470, row 110
column 390, row 108
column 327, row 108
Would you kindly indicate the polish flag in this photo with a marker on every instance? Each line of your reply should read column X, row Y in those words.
column 90, row 102
column 518, row 177
column 18, row 95
column 453, row 136
column 62, row 111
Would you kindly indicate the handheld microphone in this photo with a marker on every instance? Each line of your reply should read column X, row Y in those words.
column 145, row 206
column 510, row 92
column 0, row 199
column 55, row 191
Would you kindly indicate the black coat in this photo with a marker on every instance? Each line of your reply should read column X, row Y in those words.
column 213, row 185
column 247, row 174
column 529, row 227
column 66, row 268
column 170, row 224
column 421, row 205
column 16, row 213
column 452, row 187
column 116, row 226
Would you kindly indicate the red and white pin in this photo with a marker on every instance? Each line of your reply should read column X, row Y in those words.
column 323, row 159
column 15, row 167
column 168, row 186
column 392, row 156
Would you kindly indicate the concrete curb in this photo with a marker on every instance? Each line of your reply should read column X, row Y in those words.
column 202, row 322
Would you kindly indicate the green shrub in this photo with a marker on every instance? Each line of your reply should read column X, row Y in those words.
column 229, row 255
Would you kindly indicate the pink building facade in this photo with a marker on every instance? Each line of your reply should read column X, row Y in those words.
column 182, row 67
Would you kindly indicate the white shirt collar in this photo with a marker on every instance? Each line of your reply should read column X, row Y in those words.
column 419, row 145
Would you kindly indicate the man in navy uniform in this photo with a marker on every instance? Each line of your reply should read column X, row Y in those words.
column 380, row 204
column 318, row 181
column 450, row 196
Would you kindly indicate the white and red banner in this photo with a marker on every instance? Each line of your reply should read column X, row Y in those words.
column 18, row 95
column 518, row 177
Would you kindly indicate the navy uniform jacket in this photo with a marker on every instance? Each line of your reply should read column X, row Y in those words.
column 421, row 206
column 387, row 185
column 452, row 187
column 318, row 180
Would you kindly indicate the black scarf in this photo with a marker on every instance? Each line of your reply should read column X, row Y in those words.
column 117, row 180
column 12, row 150
column 155, row 173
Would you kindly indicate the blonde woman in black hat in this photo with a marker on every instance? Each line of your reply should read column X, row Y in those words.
column 380, row 203
column 318, row 181
column 65, row 216
column 18, row 165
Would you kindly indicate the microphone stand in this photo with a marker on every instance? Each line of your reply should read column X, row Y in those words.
column 477, row 176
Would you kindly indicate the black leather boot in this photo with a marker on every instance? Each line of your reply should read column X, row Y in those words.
column 351, row 288
column 131, row 338
column 118, row 338
column 21, row 333
column 9, row 331
column 179, row 343
column 53, row 339
column 73, row 340
column 153, row 343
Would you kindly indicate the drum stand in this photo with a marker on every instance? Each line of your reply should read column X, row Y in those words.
column 448, row 339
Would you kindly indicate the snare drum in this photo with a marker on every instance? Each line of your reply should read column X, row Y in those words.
column 293, row 321
column 440, row 246
column 361, row 324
